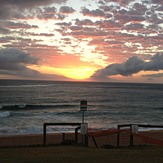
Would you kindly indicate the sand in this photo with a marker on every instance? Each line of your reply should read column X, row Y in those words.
column 14, row 149
column 57, row 138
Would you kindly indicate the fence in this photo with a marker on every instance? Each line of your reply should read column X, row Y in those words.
column 78, row 127
column 132, row 133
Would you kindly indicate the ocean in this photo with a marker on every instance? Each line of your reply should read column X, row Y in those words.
column 26, row 105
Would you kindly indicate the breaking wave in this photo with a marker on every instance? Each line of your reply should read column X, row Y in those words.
column 4, row 114
column 33, row 106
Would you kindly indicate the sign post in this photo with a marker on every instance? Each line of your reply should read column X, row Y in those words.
column 84, row 126
column 83, row 108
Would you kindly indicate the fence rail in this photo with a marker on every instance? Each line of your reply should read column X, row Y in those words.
column 45, row 125
column 131, row 135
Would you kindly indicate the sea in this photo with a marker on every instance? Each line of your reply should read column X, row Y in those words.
column 26, row 105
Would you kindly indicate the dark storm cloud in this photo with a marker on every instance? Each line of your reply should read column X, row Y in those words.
column 132, row 66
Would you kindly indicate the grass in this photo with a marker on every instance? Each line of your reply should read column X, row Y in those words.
column 67, row 154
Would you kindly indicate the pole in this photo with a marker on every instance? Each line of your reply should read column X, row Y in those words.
column 83, row 107
column 83, row 116
column 118, row 136
column 131, row 136
column 44, row 135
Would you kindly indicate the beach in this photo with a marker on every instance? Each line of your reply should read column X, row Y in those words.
column 57, row 139
column 109, row 104
column 29, row 148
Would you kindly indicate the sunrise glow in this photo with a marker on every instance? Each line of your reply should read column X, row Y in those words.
column 79, row 73
column 82, row 40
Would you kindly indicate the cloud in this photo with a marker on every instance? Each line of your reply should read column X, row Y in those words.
column 13, row 61
column 4, row 12
column 134, row 26
column 84, row 22
column 109, row 30
column 110, row 24
column 46, row 13
column 13, row 25
column 158, row 75
column 9, row 8
column 16, row 56
column 93, row 13
column 4, row 31
column 30, row 3
column 132, row 66
column 66, row 10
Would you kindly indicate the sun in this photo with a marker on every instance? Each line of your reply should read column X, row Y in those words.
column 78, row 73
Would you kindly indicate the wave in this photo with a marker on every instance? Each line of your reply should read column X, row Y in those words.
column 159, row 108
column 33, row 106
column 4, row 114
column 25, row 86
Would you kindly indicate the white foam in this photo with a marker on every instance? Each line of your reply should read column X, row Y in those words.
column 22, row 106
column 4, row 114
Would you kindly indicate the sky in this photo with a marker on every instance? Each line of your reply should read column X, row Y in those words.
column 82, row 40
